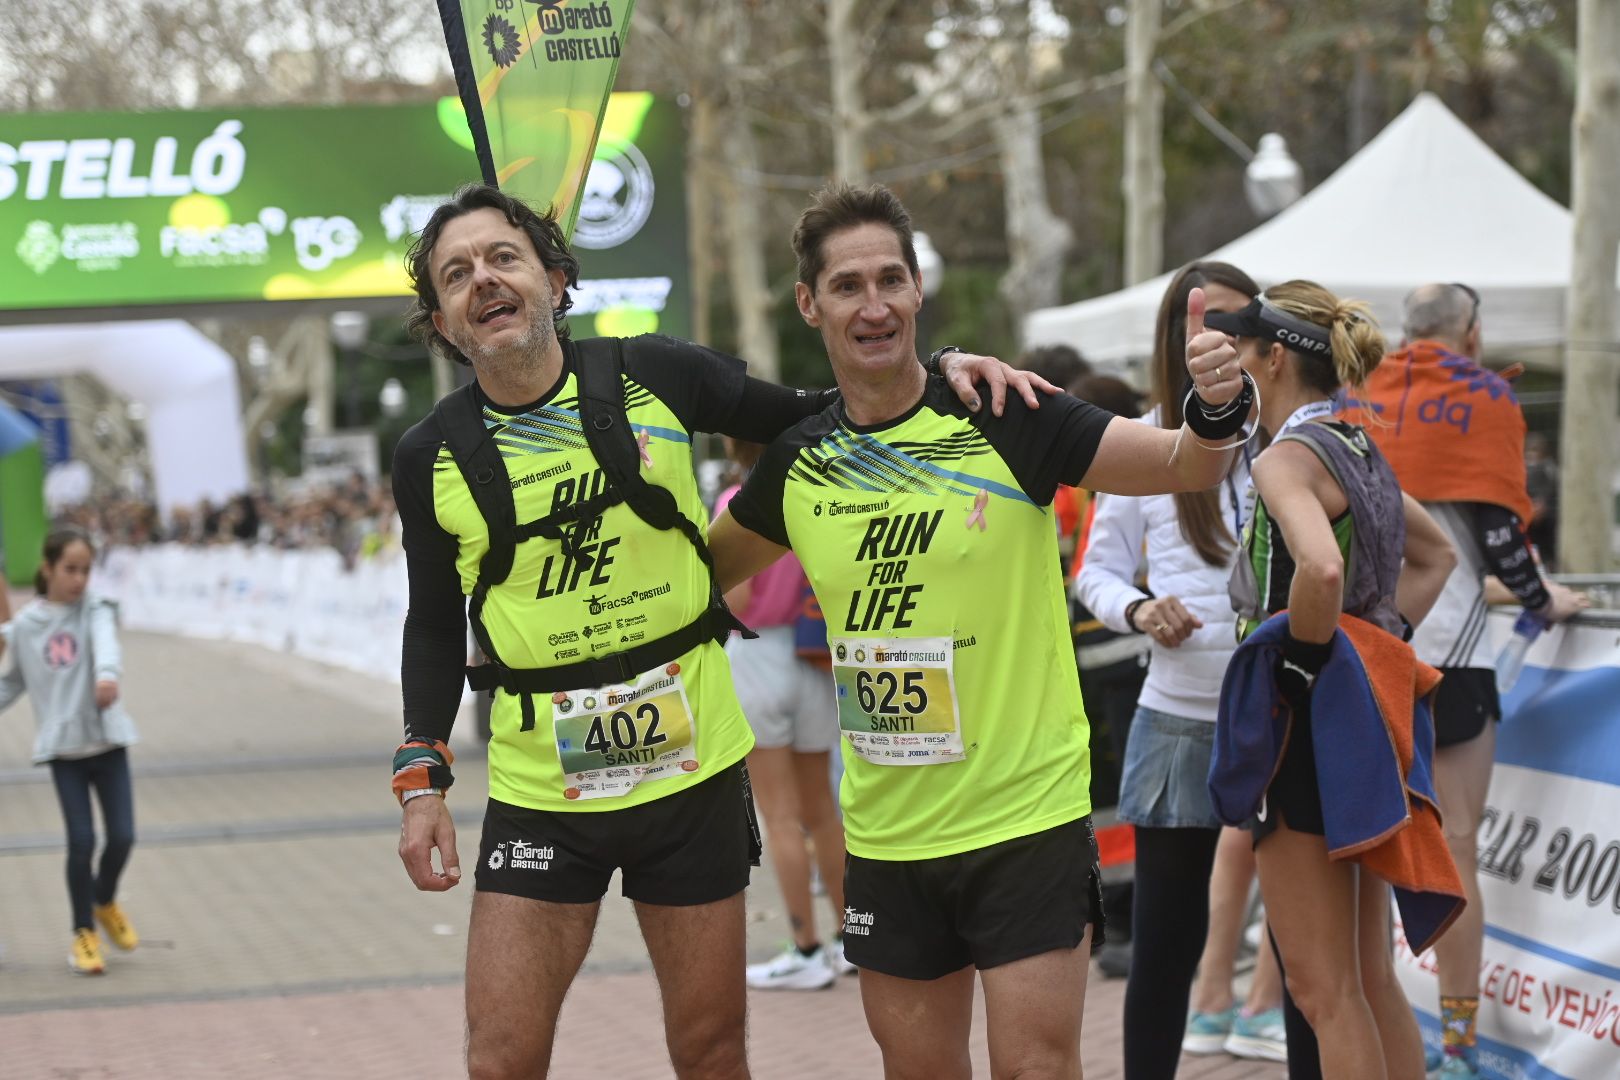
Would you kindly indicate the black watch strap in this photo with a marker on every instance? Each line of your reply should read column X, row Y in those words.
column 932, row 364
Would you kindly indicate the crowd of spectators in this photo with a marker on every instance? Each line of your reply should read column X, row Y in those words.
column 356, row 518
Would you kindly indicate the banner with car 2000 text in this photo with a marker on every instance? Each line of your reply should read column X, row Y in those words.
column 1549, row 869
column 534, row 76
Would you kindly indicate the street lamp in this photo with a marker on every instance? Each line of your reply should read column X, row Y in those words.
column 349, row 329
column 1273, row 181
column 391, row 399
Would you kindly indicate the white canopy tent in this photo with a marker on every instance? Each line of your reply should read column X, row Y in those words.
column 1425, row 201
column 186, row 382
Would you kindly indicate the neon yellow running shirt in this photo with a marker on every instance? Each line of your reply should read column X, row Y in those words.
column 635, row 583
column 932, row 546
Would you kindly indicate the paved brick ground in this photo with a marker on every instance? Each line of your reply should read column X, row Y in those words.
column 280, row 935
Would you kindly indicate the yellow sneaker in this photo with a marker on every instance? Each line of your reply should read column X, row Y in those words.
column 85, row 959
column 112, row 919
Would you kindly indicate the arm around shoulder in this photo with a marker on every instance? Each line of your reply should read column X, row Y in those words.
column 739, row 552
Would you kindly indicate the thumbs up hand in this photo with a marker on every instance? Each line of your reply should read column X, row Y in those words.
column 1212, row 360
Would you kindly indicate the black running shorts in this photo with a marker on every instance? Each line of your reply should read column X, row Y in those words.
column 925, row 918
column 1464, row 703
column 693, row 847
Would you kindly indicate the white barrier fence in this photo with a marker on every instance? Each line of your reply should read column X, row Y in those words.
column 302, row 602
column 1549, row 868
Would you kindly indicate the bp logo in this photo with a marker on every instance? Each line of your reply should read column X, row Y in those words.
column 501, row 39
column 39, row 246
column 618, row 196
column 497, row 859
column 860, row 655
column 590, row 703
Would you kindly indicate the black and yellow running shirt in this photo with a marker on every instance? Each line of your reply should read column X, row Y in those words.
column 932, row 546
column 632, row 583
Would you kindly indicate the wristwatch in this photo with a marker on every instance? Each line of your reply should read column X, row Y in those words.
column 931, row 365
column 407, row 796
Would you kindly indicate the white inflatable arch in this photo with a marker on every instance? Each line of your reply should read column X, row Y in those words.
column 186, row 382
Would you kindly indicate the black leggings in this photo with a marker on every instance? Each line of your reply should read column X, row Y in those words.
column 108, row 774
column 1170, row 919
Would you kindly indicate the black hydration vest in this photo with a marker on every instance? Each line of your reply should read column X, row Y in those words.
column 599, row 369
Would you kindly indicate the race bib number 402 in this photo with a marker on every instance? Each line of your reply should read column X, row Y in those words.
column 612, row 738
column 897, row 699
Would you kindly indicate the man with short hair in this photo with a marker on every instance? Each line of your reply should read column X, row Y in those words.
column 1454, row 434
column 557, row 491
column 928, row 536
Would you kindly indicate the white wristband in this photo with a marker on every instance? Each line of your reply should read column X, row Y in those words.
column 414, row 792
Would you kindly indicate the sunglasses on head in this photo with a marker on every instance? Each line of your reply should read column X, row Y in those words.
column 1473, row 316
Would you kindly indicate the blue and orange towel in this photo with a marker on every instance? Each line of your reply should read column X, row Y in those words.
column 1373, row 731
column 1452, row 430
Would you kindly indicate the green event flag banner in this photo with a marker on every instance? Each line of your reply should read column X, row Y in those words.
column 535, row 77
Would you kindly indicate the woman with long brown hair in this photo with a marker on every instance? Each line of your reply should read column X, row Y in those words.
column 1186, row 541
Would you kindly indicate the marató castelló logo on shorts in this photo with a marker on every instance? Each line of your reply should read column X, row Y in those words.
column 522, row 855
column 858, row 922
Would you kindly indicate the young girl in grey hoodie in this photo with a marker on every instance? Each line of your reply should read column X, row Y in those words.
column 63, row 650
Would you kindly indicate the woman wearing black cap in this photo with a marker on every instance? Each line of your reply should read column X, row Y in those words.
column 1330, row 535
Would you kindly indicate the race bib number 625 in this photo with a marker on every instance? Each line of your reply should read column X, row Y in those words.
column 897, row 699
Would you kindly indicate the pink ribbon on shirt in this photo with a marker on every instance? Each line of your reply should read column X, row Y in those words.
column 642, row 439
column 980, row 501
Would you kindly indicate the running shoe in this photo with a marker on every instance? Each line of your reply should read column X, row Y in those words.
column 117, row 924
column 835, row 957
column 85, row 958
column 792, row 970
column 1456, row 1068
column 1260, row 1037
column 1207, row 1032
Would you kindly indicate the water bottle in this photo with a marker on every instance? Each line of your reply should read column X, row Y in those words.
column 1526, row 628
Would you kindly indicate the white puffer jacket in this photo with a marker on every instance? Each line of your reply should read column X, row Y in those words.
column 1128, row 530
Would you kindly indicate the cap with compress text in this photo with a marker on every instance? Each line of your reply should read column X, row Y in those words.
column 1262, row 319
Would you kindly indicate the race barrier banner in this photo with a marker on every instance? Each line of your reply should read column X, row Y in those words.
column 302, row 602
column 1549, row 860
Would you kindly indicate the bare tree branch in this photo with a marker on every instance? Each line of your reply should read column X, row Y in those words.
column 1193, row 15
